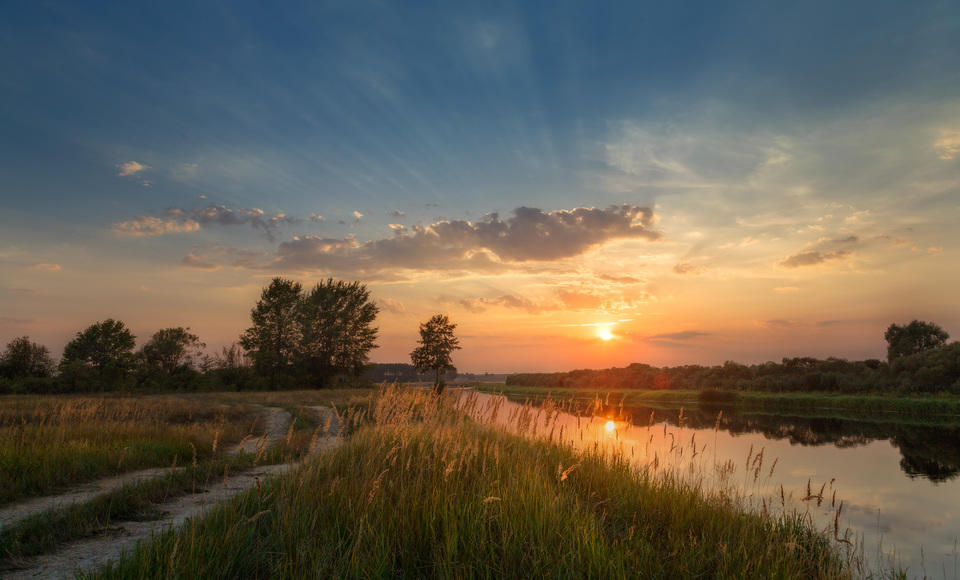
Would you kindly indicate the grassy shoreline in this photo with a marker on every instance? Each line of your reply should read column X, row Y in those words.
column 423, row 490
column 932, row 405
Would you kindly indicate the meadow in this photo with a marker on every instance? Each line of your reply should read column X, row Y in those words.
column 427, row 487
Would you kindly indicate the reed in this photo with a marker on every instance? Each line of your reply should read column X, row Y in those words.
column 455, row 487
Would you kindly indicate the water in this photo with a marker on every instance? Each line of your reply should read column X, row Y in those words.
column 899, row 483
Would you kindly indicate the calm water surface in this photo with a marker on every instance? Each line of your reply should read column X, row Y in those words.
column 898, row 482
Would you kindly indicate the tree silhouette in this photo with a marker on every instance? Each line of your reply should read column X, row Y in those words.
column 274, row 338
column 23, row 359
column 912, row 338
column 437, row 344
column 336, row 319
column 106, row 348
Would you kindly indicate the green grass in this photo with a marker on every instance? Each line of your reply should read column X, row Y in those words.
column 423, row 491
column 948, row 405
column 50, row 443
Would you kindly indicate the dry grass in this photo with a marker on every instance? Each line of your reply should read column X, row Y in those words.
column 461, row 488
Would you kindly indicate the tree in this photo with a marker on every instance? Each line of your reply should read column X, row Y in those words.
column 336, row 318
column 437, row 344
column 912, row 338
column 170, row 350
column 105, row 347
column 24, row 359
column 274, row 338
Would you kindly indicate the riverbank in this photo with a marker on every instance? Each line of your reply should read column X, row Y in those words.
column 424, row 490
column 946, row 407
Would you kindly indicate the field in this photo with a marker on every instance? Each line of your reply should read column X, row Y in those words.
column 419, row 487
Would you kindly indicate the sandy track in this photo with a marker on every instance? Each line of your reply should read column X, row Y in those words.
column 97, row 551
column 79, row 494
column 274, row 421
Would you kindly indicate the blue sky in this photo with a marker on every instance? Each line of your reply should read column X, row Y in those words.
column 123, row 124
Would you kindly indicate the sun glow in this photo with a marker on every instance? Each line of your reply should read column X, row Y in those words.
column 605, row 334
column 610, row 426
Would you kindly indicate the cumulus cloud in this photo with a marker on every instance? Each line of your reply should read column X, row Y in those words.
column 179, row 220
column 130, row 168
column 397, row 213
column 357, row 215
column 529, row 235
column 315, row 217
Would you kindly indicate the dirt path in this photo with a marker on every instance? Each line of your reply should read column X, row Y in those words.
column 84, row 492
column 97, row 551
column 273, row 421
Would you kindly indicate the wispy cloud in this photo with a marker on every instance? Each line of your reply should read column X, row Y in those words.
column 391, row 305
column 177, row 220
column 825, row 251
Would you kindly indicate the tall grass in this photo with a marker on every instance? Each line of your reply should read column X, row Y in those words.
column 48, row 443
column 429, row 488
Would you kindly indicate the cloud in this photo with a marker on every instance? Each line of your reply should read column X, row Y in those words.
column 191, row 260
column 16, row 321
column 826, row 250
column 357, row 215
column 21, row 291
column 682, row 335
column 948, row 145
column 212, row 257
column 177, row 220
column 813, row 257
column 391, row 305
column 315, row 217
column 397, row 213
column 491, row 244
column 688, row 268
column 786, row 289
column 153, row 226
column 620, row 279
column 130, row 168
column 506, row 301
column 46, row 267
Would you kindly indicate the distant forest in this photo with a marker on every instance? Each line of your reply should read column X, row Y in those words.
column 931, row 371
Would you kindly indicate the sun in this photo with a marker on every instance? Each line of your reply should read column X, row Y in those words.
column 605, row 334
column 610, row 426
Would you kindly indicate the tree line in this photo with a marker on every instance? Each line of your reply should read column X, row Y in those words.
column 919, row 360
column 298, row 338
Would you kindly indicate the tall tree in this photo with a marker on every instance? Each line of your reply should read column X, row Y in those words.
column 437, row 344
column 172, row 349
column 913, row 338
column 105, row 347
column 23, row 359
column 338, row 334
column 274, row 338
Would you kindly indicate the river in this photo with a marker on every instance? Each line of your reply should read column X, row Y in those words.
column 894, row 483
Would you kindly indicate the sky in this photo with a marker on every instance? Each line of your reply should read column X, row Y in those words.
column 575, row 184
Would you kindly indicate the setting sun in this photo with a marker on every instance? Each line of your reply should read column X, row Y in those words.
column 605, row 334
column 610, row 426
